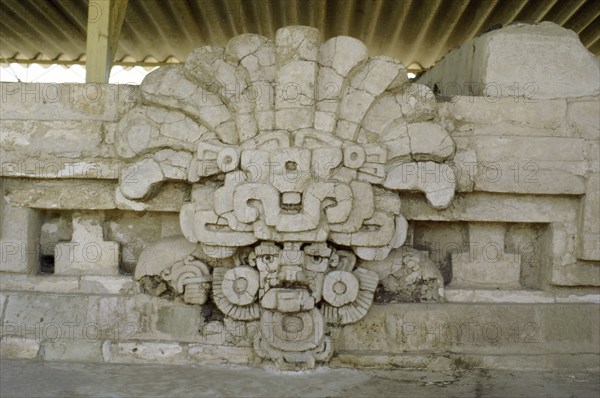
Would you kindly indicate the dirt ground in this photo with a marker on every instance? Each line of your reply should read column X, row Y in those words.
column 24, row 378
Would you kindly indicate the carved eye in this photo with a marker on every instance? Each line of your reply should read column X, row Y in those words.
column 354, row 156
column 268, row 258
column 316, row 259
column 291, row 166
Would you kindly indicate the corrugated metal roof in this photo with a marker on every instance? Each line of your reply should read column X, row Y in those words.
column 419, row 31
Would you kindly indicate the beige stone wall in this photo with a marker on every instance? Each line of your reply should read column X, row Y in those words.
column 523, row 227
column 529, row 163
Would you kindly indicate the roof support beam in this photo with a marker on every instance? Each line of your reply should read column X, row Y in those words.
column 105, row 18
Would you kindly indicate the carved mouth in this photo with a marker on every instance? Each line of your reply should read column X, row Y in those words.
column 291, row 202
column 291, row 208
column 289, row 300
column 296, row 285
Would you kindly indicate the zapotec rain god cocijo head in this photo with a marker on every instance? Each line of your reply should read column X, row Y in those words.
column 295, row 153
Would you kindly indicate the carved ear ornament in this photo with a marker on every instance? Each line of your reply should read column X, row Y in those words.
column 292, row 190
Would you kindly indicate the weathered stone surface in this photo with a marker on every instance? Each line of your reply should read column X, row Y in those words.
column 440, row 327
column 145, row 178
column 76, row 351
column 118, row 318
column 211, row 355
column 589, row 230
column 22, row 164
column 436, row 180
column 37, row 283
column 486, row 65
column 97, row 284
column 575, row 274
column 133, row 231
column 465, row 170
column 58, row 194
column 523, row 130
column 141, row 352
column 519, row 164
column 547, row 114
column 179, row 321
column 429, row 141
column 584, row 117
column 454, row 295
column 407, row 275
column 158, row 256
column 19, row 347
column 87, row 253
column 41, row 316
column 264, row 213
column 67, row 139
column 486, row 264
column 92, row 284
column 19, row 238
column 51, row 101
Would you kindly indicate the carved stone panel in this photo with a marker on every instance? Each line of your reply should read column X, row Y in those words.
column 296, row 153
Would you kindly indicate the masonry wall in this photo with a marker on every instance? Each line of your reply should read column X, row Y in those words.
column 519, row 247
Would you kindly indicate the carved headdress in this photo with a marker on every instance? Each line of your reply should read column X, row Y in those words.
column 295, row 152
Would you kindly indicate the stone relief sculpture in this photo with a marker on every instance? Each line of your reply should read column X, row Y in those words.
column 295, row 153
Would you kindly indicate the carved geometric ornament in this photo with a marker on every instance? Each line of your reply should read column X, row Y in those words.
column 295, row 153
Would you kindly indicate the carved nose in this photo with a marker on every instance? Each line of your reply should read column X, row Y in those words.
column 291, row 273
column 291, row 198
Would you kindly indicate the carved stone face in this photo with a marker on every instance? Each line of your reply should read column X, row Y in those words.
column 304, row 179
column 320, row 189
column 290, row 204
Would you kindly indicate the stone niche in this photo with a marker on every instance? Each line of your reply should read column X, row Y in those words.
column 297, row 202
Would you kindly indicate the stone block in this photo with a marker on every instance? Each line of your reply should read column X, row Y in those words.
column 503, row 148
column 51, row 101
column 101, row 284
column 464, row 328
column 576, row 274
column 55, row 228
column 454, row 295
column 519, row 60
column 568, row 323
column 2, row 302
column 24, row 164
column 45, row 316
column 546, row 114
column 87, row 253
column 75, row 350
column 527, row 176
column 144, row 352
column 67, row 139
column 134, row 231
column 39, row 283
column 522, row 130
column 522, row 165
column 179, row 321
column 490, row 207
column 486, row 264
column 145, row 180
column 584, row 116
column 19, row 238
column 58, row 194
column 576, row 298
column 19, row 348
column 436, row 180
column 368, row 334
column 589, row 226
column 342, row 53
column 202, row 354
column 117, row 318
column 429, row 141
